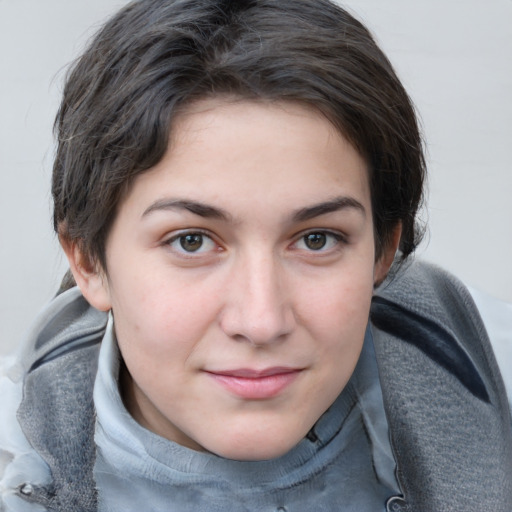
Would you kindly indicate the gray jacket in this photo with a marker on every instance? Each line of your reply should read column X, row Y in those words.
column 445, row 402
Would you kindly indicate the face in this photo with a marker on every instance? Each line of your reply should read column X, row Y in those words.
column 240, row 271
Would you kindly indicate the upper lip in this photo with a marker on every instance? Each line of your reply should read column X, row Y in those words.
column 249, row 373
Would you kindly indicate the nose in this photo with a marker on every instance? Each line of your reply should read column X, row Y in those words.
column 257, row 308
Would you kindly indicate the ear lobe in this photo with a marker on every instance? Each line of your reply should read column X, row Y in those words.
column 383, row 264
column 91, row 279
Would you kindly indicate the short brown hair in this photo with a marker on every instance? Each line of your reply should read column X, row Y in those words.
column 155, row 57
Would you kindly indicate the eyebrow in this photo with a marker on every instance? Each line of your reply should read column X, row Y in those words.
column 333, row 205
column 212, row 212
column 201, row 209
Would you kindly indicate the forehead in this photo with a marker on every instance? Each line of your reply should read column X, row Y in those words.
column 248, row 153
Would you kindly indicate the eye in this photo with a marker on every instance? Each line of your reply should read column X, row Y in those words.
column 192, row 242
column 319, row 241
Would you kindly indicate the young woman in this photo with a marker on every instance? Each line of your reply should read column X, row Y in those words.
column 233, row 183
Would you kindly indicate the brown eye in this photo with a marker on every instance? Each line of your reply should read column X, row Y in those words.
column 315, row 241
column 192, row 242
column 320, row 241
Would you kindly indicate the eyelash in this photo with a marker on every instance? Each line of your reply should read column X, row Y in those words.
column 179, row 237
column 337, row 239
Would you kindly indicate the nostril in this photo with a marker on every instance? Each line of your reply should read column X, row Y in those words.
column 270, row 326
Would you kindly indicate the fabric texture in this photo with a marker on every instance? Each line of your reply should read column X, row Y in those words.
column 46, row 438
column 443, row 395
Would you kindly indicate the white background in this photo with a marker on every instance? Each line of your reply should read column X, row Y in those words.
column 454, row 57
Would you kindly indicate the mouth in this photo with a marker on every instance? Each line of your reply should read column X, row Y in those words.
column 252, row 384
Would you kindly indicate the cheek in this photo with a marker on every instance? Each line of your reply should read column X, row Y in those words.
column 343, row 301
column 157, row 318
column 336, row 316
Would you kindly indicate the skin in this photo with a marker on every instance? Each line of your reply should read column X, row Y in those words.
column 278, row 271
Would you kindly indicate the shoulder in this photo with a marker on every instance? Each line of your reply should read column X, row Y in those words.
column 440, row 298
column 443, row 393
column 46, row 407
column 430, row 309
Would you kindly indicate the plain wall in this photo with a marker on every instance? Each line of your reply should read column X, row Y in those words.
column 453, row 56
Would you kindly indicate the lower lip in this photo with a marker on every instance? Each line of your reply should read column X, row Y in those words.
column 259, row 388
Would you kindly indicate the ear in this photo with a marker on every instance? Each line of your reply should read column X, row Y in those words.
column 89, row 277
column 383, row 264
